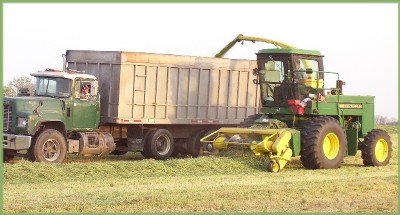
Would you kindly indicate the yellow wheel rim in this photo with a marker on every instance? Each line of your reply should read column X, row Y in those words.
column 381, row 150
column 331, row 146
column 275, row 167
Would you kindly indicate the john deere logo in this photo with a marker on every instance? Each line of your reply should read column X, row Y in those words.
column 351, row 106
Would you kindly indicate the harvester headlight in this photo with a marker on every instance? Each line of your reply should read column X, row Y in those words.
column 22, row 122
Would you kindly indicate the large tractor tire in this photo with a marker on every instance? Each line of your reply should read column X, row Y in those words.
column 376, row 148
column 160, row 144
column 49, row 146
column 249, row 121
column 323, row 144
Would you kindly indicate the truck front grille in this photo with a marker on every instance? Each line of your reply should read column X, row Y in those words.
column 7, row 117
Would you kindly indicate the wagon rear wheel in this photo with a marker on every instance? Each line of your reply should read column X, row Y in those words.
column 160, row 144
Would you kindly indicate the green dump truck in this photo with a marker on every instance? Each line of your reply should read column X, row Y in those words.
column 113, row 102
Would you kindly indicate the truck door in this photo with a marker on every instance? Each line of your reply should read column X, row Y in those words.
column 86, row 105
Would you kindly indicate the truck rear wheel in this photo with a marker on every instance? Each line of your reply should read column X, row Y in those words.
column 194, row 146
column 118, row 152
column 50, row 147
column 377, row 148
column 145, row 153
column 323, row 144
column 160, row 144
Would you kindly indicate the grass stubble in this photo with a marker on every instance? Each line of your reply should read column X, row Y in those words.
column 233, row 181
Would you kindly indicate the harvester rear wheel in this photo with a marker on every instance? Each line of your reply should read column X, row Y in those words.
column 377, row 148
column 323, row 144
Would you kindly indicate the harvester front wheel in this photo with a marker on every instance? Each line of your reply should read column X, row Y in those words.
column 377, row 148
column 323, row 144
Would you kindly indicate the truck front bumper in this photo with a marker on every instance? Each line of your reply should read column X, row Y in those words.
column 16, row 142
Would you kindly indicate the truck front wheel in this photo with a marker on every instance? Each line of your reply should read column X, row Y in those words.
column 49, row 146
column 160, row 144
column 7, row 156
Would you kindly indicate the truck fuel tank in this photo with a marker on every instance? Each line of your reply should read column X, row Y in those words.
column 96, row 143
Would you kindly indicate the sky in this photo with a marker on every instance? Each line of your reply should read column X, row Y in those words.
column 359, row 41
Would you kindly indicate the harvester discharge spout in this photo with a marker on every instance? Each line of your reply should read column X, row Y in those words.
column 273, row 143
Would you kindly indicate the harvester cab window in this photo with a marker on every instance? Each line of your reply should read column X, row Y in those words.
column 302, row 65
column 307, row 72
column 272, row 73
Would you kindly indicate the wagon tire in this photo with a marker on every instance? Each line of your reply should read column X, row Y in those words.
column 50, row 146
column 145, row 152
column 160, row 144
column 323, row 144
column 377, row 148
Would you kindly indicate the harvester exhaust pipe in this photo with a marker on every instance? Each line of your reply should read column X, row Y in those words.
column 339, row 85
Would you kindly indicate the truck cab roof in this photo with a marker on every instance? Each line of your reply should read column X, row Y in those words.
column 60, row 74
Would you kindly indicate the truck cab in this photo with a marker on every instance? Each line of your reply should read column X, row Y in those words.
column 43, row 127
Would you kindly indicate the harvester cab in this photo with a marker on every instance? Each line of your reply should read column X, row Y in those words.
column 289, row 78
column 303, row 116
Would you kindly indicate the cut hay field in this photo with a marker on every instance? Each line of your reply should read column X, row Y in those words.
column 234, row 181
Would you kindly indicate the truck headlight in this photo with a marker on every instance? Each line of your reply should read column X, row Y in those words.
column 22, row 122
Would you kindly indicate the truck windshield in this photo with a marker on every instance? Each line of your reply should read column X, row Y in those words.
column 53, row 87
